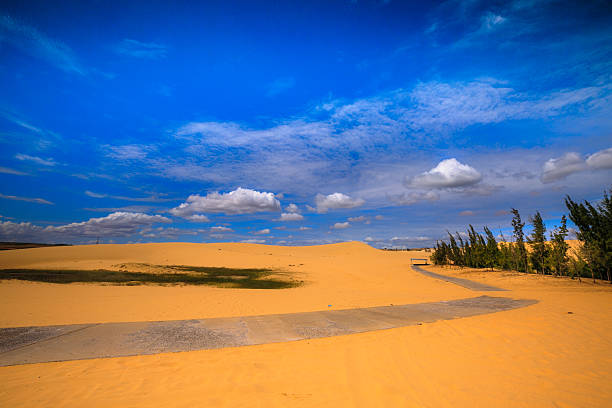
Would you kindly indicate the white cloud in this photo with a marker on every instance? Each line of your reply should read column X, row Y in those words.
column 198, row 218
column 30, row 41
column 361, row 218
column 414, row 197
column 292, row 208
column 253, row 241
column 600, row 160
column 490, row 21
column 27, row 199
column 466, row 213
column 94, row 195
column 6, row 170
column 304, row 228
column 561, row 167
column 166, row 233
column 118, row 224
column 115, row 224
column 262, row 231
column 336, row 201
column 239, row 201
column 280, row 85
column 291, row 217
column 341, row 225
column 453, row 106
column 129, row 152
column 139, row 49
column 448, row 173
column 37, row 160
column 220, row 229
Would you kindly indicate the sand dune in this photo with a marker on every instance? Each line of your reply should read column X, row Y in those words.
column 538, row 356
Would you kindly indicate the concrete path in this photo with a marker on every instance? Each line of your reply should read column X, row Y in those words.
column 26, row 345
column 466, row 283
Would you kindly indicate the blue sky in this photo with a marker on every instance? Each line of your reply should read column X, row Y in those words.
column 298, row 123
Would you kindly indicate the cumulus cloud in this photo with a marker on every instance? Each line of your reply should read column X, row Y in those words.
column 561, row 167
column 291, row 217
column 399, row 241
column 239, row 201
column 118, row 224
column 336, row 201
column 197, row 218
column 220, row 229
column 600, row 160
column 253, row 241
column 341, row 225
column 292, row 208
column 413, row 197
column 448, row 173
column 292, row 213
column 361, row 218
column 115, row 224
column 262, row 231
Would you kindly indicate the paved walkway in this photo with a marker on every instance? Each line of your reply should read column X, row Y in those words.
column 466, row 283
column 24, row 345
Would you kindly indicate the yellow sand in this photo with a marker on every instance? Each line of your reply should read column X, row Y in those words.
column 538, row 356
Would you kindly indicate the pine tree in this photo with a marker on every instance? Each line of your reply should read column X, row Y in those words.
column 491, row 249
column 595, row 232
column 520, row 253
column 557, row 255
column 538, row 244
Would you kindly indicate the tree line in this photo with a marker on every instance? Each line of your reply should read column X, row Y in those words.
column 535, row 253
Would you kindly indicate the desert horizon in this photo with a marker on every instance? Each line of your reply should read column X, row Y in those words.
column 471, row 357
column 340, row 203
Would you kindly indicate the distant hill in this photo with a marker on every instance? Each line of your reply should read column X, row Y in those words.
column 4, row 246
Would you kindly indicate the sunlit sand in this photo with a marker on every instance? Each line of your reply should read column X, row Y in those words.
column 553, row 353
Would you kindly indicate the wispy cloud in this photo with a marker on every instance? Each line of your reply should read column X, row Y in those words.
column 29, row 40
column 139, row 49
column 129, row 152
column 28, row 199
column 280, row 85
column 35, row 159
column 6, row 170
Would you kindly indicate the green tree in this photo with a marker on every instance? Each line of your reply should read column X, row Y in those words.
column 557, row 256
column 520, row 253
column 594, row 224
column 491, row 249
column 539, row 251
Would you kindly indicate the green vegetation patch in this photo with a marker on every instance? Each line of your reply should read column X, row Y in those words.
column 250, row 278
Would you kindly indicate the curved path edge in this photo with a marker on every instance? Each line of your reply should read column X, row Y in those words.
column 466, row 283
column 39, row 344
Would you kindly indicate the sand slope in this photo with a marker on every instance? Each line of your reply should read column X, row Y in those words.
column 539, row 356
column 344, row 276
